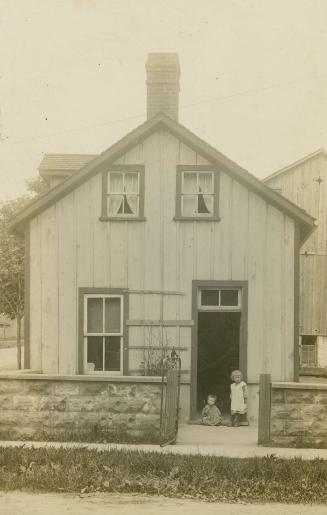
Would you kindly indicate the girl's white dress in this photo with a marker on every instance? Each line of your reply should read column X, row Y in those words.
column 238, row 397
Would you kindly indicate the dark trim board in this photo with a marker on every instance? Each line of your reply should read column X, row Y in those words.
column 27, row 298
column 296, row 360
column 104, row 291
column 243, row 331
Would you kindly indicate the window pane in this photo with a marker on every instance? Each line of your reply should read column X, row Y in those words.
column 114, row 204
column 95, row 353
column 112, row 315
column 205, row 204
column 115, row 182
column 209, row 297
column 229, row 298
column 131, row 205
column 206, row 182
column 112, row 353
column 94, row 315
column 189, row 182
column 189, row 205
column 131, row 182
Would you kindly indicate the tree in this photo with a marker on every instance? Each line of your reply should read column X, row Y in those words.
column 12, row 269
column 12, row 252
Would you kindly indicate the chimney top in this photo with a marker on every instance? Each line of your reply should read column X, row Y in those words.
column 163, row 74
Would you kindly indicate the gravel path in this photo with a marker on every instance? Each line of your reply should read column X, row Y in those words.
column 13, row 503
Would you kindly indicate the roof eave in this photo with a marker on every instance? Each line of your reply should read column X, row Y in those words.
column 139, row 134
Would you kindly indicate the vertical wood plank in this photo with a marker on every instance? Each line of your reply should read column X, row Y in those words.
column 50, row 300
column 35, row 295
column 264, row 409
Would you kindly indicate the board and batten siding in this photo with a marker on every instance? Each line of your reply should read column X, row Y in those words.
column 306, row 185
column 72, row 248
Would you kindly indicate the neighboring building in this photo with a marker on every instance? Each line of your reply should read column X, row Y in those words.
column 162, row 241
column 305, row 183
column 8, row 329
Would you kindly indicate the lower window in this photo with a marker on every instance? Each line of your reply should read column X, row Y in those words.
column 103, row 333
column 308, row 351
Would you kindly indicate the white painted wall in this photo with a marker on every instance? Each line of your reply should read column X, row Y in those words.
column 71, row 248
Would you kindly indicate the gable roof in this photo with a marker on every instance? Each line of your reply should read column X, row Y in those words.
column 63, row 164
column 186, row 136
column 320, row 151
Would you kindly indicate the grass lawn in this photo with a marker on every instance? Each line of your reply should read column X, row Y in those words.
column 201, row 477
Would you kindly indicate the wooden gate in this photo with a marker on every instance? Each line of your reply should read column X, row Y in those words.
column 169, row 414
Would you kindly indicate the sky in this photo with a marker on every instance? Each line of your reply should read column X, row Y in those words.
column 72, row 77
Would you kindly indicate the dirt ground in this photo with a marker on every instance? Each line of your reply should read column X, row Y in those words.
column 12, row 503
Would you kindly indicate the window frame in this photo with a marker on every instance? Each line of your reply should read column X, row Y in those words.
column 180, row 169
column 132, row 168
column 305, row 353
column 219, row 307
column 84, row 294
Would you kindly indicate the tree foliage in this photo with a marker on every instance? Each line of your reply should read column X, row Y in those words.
column 12, row 253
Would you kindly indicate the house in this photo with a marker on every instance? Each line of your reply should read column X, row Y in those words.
column 161, row 242
column 305, row 183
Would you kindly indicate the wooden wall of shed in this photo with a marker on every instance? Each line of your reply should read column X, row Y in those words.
column 71, row 248
column 306, row 185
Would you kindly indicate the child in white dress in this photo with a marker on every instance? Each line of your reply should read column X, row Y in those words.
column 239, row 397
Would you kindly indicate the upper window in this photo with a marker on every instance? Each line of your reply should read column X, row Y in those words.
column 197, row 193
column 123, row 193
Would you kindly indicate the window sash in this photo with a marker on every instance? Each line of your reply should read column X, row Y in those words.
column 103, row 297
column 126, row 193
column 219, row 306
column 104, row 334
column 202, row 183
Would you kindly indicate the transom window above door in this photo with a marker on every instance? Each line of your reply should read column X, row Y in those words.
column 197, row 193
column 103, row 333
column 123, row 193
column 220, row 299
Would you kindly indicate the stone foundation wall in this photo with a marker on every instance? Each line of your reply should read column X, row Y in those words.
column 79, row 408
column 299, row 415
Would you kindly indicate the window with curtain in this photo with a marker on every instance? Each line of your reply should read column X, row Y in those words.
column 123, row 193
column 197, row 193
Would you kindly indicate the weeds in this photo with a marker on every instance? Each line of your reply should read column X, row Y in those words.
column 268, row 479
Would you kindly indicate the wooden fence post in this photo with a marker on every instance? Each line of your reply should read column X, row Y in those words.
column 264, row 409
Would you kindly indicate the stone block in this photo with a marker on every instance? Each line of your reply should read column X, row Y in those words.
column 122, row 389
column 52, row 403
column 320, row 397
column 38, row 387
column 319, row 428
column 6, row 402
column 11, row 386
column 299, row 396
column 147, row 421
column 284, row 411
column 151, row 408
column 65, row 388
column 277, row 396
column 276, row 427
column 298, row 427
column 123, row 421
column 20, row 419
column 93, row 388
column 64, row 420
column 28, row 403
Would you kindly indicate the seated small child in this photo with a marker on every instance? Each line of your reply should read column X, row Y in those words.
column 211, row 415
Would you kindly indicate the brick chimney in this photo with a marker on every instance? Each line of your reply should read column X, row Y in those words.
column 163, row 73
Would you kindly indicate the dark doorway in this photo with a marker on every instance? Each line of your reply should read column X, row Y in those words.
column 218, row 355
